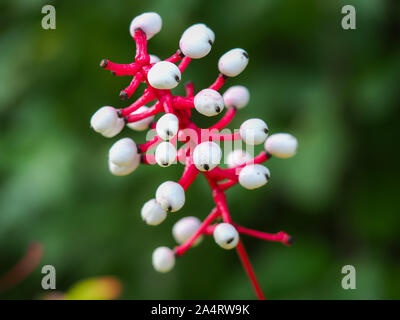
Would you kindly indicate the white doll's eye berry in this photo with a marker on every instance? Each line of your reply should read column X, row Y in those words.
column 124, row 170
column 154, row 58
column 123, row 152
column 236, row 97
column 171, row 196
column 281, row 145
column 237, row 157
column 163, row 259
column 106, row 122
column 165, row 154
column 141, row 124
column 233, row 62
column 185, row 228
column 254, row 176
column 207, row 155
column 226, row 236
column 149, row 22
column 164, row 75
column 209, row 102
column 167, row 126
column 254, row 131
column 152, row 213
column 196, row 41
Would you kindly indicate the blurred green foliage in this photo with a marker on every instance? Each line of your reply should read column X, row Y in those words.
column 336, row 90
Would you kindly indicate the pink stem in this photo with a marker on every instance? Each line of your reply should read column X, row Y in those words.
column 183, row 102
column 147, row 96
column 148, row 159
column 149, row 144
column 184, row 63
column 130, row 90
column 227, row 184
column 180, row 250
column 188, row 176
column 277, row 237
column 218, row 83
column 145, row 114
column 141, row 57
column 120, row 69
column 177, row 56
column 189, row 87
column 225, row 120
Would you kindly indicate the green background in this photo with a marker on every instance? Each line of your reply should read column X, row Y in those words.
column 336, row 90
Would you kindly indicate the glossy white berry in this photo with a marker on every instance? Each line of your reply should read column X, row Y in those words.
column 154, row 58
column 141, row 124
column 226, row 236
column 106, row 122
column 207, row 155
column 281, row 145
column 185, row 228
column 163, row 259
column 152, row 213
column 254, row 131
column 196, row 41
column 209, row 102
column 167, row 126
column 164, row 75
column 165, row 154
column 171, row 196
column 254, row 176
column 124, row 170
column 123, row 152
column 236, row 97
column 233, row 62
column 237, row 157
column 149, row 22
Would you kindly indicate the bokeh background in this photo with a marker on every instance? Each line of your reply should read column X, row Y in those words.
column 336, row 90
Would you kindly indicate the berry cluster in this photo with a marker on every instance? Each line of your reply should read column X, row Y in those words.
column 199, row 151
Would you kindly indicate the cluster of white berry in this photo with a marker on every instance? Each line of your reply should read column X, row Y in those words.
column 124, row 155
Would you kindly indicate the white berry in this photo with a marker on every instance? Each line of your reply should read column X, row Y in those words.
column 152, row 213
column 207, row 155
column 237, row 157
column 141, row 124
column 281, row 145
column 196, row 41
column 165, row 154
column 164, row 75
column 124, row 170
column 171, row 196
column 149, row 22
column 233, row 62
column 226, row 236
column 163, row 259
column 254, row 176
column 254, row 131
column 154, row 58
column 167, row 126
column 209, row 102
column 106, row 122
column 123, row 152
column 236, row 97
column 185, row 228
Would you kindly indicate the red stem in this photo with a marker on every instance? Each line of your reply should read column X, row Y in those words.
column 218, row 83
column 225, row 120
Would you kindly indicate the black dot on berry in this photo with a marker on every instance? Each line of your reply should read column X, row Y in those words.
column 177, row 79
column 169, row 208
column 210, row 42
column 266, row 130
column 206, row 167
column 168, row 133
column 245, row 54
column 230, row 240
column 217, row 109
column 165, row 164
